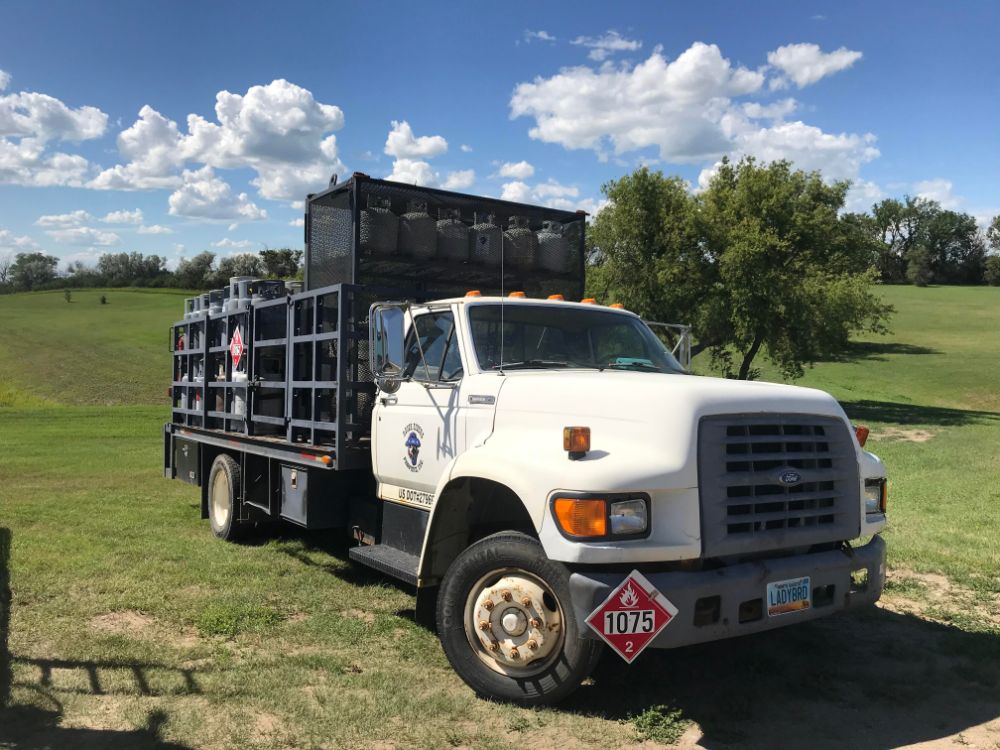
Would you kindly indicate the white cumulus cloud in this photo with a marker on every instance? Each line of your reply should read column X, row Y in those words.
column 459, row 180
column 11, row 241
column 154, row 229
column 71, row 219
column 806, row 64
column 675, row 106
column 940, row 190
column 521, row 170
column 4, row 80
column 552, row 194
column 607, row 44
column 233, row 244
column 403, row 144
column 537, row 36
column 279, row 130
column 203, row 195
column 124, row 217
column 466, row 148
column 414, row 172
column 84, row 236
column 299, row 222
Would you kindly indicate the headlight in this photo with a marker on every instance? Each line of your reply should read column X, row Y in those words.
column 581, row 516
column 875, row 496
column 628, row 517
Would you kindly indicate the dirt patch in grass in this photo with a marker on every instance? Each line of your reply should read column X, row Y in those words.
column 358, row 614
column 905, row 435
column 129, row 622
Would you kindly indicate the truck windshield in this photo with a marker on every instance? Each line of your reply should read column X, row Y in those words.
column 552, row 336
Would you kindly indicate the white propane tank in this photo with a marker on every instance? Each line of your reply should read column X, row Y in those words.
column 452, row 235
column 379, row 227
column 484, row 240
column 520, row 245
column 417, row 234
column 240, row 394
column 239, row 297
column 554, row 252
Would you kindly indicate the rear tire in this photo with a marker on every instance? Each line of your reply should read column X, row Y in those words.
column 224, row 483
column 506, row 622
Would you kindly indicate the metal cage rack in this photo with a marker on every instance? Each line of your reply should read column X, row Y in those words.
column 302, row 377
column 375, row 232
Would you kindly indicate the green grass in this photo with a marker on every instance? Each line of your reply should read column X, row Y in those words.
column 130, row 625
column 83, row 352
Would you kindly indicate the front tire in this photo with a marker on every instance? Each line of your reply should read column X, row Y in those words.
column 506, row 624
column 223, row 498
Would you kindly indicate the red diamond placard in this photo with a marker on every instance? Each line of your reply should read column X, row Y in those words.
column 236, row 347
column 631, row 616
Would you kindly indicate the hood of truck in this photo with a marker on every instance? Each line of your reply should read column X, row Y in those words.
column 637, row 413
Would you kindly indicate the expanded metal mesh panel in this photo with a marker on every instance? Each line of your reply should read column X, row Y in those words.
column 776, row 482
column 474, row 243
column 330, row 247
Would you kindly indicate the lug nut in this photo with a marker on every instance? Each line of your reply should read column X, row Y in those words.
column 484, row 625
column 494, row 646
column 535, row 622
column 488, row 605
column 530, row 643
column 514, row 653
column 526, row 601
column 506, row 596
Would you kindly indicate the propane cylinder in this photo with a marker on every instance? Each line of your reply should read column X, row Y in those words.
column 452, row 235
column 240, row 394
column 485, row 239
column 188, row 308
column 216, row 297
column 265, row 289
column 239, row 297
column 553, row 248
column 520, row 244
column 379, row 227
column 294, row 287
column 417, row 233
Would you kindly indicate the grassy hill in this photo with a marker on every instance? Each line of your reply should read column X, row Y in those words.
column 83, row 352
column 130, row 625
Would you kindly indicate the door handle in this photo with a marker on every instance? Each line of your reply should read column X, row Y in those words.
column 388, row 400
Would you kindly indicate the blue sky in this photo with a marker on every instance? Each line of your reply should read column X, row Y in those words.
column 172, row 128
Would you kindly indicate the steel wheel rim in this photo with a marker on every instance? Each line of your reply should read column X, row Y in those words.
column 549, row 636
column 220, row 499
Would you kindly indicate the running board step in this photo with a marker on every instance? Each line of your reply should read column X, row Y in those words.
column 389, row 560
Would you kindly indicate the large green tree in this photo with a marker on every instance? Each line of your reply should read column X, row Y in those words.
column 32, row 270
column 760, row 262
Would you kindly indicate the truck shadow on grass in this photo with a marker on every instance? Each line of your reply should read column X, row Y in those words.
column 38, row 725
column 915, row 414
column 867, row 679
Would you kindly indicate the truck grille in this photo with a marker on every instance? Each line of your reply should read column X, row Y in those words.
column 776, row 481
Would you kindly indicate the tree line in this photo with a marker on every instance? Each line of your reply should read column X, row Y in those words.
column 38, row 271
column 765, row 262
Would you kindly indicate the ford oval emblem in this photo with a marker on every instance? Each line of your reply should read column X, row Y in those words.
column 790, row 477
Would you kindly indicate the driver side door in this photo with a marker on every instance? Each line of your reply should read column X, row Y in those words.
column 416, row 428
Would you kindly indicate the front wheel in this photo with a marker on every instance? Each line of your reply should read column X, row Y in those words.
column 506, row 624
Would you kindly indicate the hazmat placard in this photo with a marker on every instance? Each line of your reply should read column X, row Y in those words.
column 632, row 616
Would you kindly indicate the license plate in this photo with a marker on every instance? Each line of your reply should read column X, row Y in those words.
column 792, row 595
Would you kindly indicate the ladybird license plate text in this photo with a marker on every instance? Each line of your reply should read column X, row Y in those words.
column 793, row 595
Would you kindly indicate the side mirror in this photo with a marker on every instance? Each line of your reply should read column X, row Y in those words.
column 386, row 345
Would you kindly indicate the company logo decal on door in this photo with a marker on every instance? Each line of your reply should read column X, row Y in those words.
column 414, row 435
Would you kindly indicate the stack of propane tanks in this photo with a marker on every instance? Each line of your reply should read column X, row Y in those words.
column 416, row 234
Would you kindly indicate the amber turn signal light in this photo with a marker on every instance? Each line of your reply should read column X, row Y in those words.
column 576, row 441
column 579, row 517
column 588, row 301
column 473, row 293
column 517, row 295
column 862, row 435
column 557, row 297
column 617, row 306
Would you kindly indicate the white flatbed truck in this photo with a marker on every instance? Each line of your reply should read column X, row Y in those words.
column 543, row 471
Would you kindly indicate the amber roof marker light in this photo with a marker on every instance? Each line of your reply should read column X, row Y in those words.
column 576, row 441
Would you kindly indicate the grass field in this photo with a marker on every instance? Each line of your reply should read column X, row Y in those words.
column 130, row 626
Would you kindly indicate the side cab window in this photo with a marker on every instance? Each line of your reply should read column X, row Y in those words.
column 438, row 339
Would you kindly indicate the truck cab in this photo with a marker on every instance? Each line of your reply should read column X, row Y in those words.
column 711, row 488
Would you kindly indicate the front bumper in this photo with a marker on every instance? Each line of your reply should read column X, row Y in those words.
column 738, row 587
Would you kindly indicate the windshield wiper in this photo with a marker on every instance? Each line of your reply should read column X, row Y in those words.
column 532, row 363
column 644, row 366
